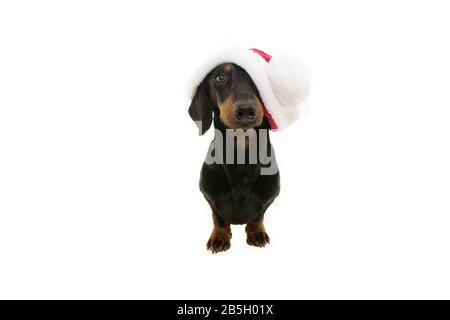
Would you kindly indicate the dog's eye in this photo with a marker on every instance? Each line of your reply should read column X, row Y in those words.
column 220, row 78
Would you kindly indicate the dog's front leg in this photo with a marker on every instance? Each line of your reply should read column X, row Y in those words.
column 220, row 236
column 256, row 233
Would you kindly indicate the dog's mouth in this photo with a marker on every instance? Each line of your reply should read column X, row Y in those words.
column 244, row 128
column 247, row 125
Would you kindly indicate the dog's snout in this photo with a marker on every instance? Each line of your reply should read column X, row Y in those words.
column 245, row 112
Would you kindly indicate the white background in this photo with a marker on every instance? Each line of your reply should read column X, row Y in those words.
column 99, row 161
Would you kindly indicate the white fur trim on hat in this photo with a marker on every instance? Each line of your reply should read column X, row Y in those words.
column 283, row 83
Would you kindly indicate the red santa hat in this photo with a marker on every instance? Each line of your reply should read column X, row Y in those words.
column 282, row 81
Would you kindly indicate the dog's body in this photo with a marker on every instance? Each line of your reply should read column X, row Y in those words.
column 237, row 193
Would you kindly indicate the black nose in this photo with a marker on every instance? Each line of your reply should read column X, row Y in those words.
column 244, row 112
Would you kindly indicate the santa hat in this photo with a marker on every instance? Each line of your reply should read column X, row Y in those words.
column 282, row 81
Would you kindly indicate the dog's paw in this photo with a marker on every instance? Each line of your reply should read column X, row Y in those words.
column 219, row 241
column 257, row 238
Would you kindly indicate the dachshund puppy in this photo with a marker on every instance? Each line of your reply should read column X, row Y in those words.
column 238, row 192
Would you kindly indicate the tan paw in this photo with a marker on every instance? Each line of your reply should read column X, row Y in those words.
column 257, row 238
column 219, row 241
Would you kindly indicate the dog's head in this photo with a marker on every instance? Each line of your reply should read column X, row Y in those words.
column 229, row 94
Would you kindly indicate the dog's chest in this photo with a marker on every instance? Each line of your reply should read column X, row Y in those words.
column 240, row 201
column 238, row 193
column 242, row 178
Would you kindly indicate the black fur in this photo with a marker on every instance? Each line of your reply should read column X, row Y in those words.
column 237, row 193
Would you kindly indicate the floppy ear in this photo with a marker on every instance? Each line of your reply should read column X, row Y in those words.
column 201, row 109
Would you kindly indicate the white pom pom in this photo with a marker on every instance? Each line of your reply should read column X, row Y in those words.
column 289, row 79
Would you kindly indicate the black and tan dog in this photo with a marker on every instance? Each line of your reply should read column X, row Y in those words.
column 237, row 193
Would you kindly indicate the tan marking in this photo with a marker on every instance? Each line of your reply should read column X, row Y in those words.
column 256, row 233
column 220, row 237
column 242, row 143
column 219, row 232
column 227, row 67
column 255, row 226
column 226, row 111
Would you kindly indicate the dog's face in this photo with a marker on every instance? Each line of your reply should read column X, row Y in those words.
column 229, row 93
